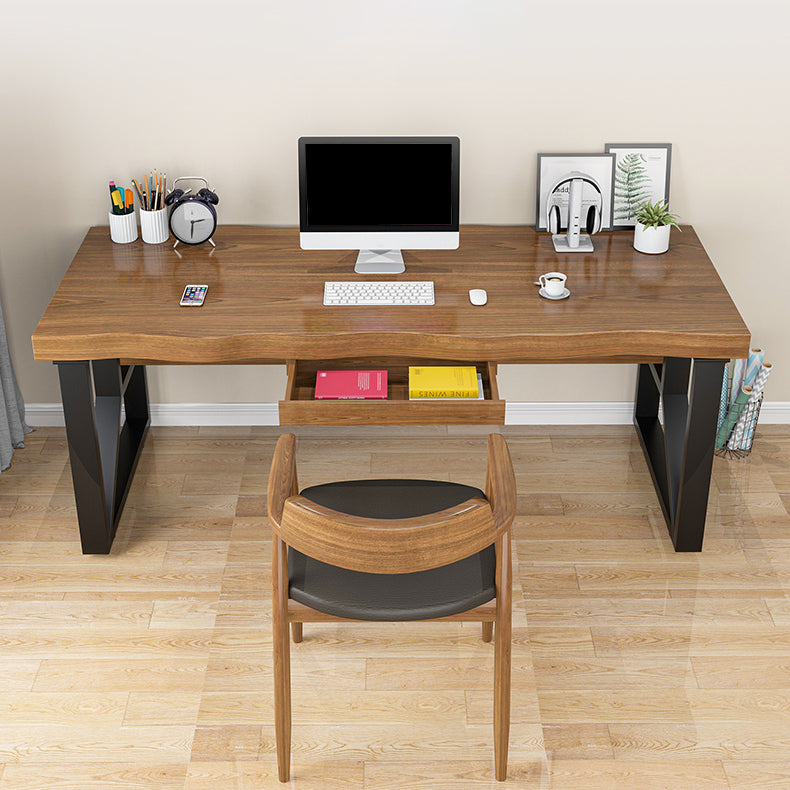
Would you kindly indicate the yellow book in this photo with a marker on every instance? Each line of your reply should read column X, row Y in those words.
column 446, row 381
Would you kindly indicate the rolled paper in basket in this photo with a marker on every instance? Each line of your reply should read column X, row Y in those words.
column 759, row 381
column 732, row 416
column 753, row 365
column 737, row 378
column 751, row 406
column 725, row 401
column 738, row 437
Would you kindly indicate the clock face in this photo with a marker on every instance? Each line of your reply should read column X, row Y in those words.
column 192, row 222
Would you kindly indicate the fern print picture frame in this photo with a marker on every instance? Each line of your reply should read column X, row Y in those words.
column 641, row 173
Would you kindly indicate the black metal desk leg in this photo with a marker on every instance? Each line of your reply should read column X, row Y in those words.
column 102, row 451
column 703, row 412
column 679, row 454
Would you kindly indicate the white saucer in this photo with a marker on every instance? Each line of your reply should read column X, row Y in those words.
column 564, row 295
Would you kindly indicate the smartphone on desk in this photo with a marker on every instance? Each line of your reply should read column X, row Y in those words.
column 194, row 295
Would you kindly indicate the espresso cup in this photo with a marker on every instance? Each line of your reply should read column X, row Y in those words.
column 553, row 283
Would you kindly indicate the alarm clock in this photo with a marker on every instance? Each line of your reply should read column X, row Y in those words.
column 193, row 218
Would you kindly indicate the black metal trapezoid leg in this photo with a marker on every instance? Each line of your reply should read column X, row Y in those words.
column 103, row 451
column 679, row 453
column 703, row 411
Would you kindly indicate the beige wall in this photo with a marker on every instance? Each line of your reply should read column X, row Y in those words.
column 93, row 91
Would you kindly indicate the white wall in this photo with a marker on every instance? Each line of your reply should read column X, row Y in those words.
column 101, row 90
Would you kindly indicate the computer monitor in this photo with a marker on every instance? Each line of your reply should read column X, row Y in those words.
column 379, row 195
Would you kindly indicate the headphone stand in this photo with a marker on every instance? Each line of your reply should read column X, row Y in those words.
column 574, row 240
column 561, row 243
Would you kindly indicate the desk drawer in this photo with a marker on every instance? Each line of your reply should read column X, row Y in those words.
column 300, row 407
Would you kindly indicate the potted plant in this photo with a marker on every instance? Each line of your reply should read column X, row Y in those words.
column 653, row 221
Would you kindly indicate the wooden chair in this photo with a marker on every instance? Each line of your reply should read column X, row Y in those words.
column 391, row 550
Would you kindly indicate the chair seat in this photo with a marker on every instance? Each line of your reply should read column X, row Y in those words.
column 423, row 595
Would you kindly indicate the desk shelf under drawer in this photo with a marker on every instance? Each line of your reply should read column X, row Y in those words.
column 301, row 408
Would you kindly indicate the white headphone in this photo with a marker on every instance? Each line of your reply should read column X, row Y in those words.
column 594, row 212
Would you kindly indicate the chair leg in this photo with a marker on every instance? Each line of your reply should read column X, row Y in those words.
column 282, row 660
column 296, row 632
column 502, row 652
column 488, row 630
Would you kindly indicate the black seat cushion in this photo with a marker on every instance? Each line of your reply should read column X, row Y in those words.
column 439, row 592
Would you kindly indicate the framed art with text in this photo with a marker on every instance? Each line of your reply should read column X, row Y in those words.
column 553, row 168
column 641, row 174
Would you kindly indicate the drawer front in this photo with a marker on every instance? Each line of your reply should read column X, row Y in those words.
column 301, row 408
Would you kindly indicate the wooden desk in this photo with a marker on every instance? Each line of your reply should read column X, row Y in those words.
column 117, row 310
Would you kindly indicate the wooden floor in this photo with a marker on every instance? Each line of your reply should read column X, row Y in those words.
column 633, row 667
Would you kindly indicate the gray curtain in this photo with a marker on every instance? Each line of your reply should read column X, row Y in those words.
column 12, row 408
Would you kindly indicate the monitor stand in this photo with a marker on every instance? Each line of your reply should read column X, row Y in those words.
column 380, row 262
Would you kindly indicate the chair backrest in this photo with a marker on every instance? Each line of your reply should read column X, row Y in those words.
column 387, row 545
column 377, row 545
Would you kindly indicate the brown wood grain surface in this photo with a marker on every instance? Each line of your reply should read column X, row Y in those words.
column 374, row 545
column 264, row 302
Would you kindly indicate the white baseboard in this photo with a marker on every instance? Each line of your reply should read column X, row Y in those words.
column 215, row 414
column 595, row 413
column 777, row 413
column 592, row 413
column 44, row 415
column 51, row 414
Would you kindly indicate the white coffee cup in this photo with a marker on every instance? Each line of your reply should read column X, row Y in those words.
column 553, row 283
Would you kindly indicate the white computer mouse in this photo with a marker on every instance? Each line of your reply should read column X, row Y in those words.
column 477, row 296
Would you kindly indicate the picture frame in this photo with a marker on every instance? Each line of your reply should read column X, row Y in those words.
column 553, row 167
column 641, row 174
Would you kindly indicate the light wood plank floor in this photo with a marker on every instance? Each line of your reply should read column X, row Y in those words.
column 633, row 666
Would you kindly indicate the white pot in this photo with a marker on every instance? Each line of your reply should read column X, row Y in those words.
column 651, row 240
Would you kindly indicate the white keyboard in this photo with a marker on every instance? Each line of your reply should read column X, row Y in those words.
column 372, row 293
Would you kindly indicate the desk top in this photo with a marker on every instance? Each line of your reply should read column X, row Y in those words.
column 265, row 294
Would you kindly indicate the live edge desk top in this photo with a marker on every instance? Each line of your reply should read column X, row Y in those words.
column 264, row 302
column 117, row 309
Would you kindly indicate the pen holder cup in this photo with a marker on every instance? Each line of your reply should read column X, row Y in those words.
column 736, row 427
column 153, row 225
column 123, row 227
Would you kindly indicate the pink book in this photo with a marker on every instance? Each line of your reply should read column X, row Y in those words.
column 351, row 384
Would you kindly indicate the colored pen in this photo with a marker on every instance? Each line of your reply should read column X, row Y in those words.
column 139, row 192
column 112, row 196
column 151, row 190
column 117, row 202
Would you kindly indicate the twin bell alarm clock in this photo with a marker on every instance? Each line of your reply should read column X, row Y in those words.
column 193, row 218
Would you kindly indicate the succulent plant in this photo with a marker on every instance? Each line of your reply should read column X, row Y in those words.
column 655, row 214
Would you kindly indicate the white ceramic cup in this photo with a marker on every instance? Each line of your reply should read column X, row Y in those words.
column 153, row 226
column 553, row 283
column 123, row 228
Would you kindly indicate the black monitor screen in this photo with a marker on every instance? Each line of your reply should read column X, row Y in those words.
column 378, row 184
